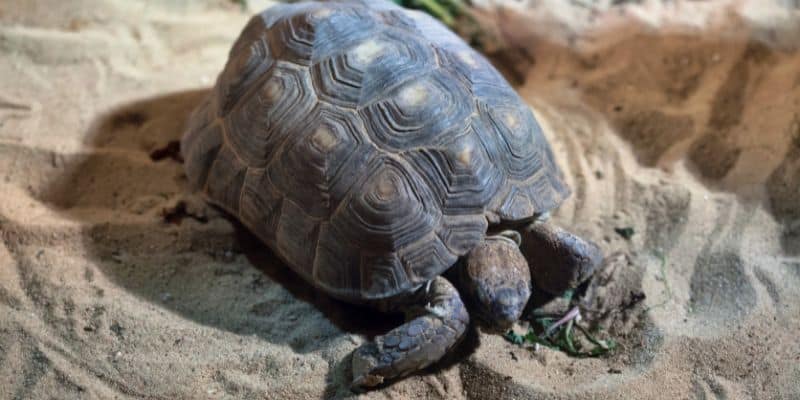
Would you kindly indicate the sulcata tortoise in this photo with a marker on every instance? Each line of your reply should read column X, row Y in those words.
column 371, row 149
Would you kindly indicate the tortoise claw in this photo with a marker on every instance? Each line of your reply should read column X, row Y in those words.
column 365, row 361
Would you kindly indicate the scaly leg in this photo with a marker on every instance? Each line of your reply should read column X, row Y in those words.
column 559, row 259
column 436, row 321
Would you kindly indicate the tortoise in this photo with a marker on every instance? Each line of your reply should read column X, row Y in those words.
column 372, row 150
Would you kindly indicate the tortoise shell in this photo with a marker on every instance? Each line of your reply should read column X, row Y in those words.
column 367, row 145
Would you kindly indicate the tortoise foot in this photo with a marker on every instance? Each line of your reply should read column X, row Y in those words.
column 436, row 322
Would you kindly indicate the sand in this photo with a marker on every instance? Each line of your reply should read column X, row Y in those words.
column 678, row 119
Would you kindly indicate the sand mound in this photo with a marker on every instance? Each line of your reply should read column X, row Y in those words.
column 678, row 119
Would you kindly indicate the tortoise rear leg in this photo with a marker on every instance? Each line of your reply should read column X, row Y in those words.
column 436, row 320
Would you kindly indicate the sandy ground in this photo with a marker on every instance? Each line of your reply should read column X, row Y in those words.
column 678, row 119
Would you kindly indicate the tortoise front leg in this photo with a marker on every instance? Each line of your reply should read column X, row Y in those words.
column 559, row 259
column 436, row 321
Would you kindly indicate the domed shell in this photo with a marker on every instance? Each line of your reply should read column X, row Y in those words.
column 367, row 145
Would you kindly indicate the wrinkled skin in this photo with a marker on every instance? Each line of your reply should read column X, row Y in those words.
column 436, row 321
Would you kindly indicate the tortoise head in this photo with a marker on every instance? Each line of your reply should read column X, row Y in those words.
column 497, row 282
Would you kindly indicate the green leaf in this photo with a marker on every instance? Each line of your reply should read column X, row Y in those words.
column 563, row 338
column 568, row 337
column 513, row 337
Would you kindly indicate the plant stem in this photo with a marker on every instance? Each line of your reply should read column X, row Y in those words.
column 571, row 315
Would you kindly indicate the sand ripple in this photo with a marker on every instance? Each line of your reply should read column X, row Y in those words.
column 115, row 281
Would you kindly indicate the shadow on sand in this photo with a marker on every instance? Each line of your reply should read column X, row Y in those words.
column 157, row 240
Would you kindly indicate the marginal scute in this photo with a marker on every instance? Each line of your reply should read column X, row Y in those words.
column 425, row 258
column 225, row 180
column 254, row 30
column 260, row 205
column 475, row 71
column 199, row 149
column 515, row 142
column 297, row 232
column 337, row 266
column 513, row 136
column 547, row 189
column 521, row 200
column 201, row 117
column 517, row 205
column 460, row 233
column 244, row 67
column 381, row 273
column 261, row 122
